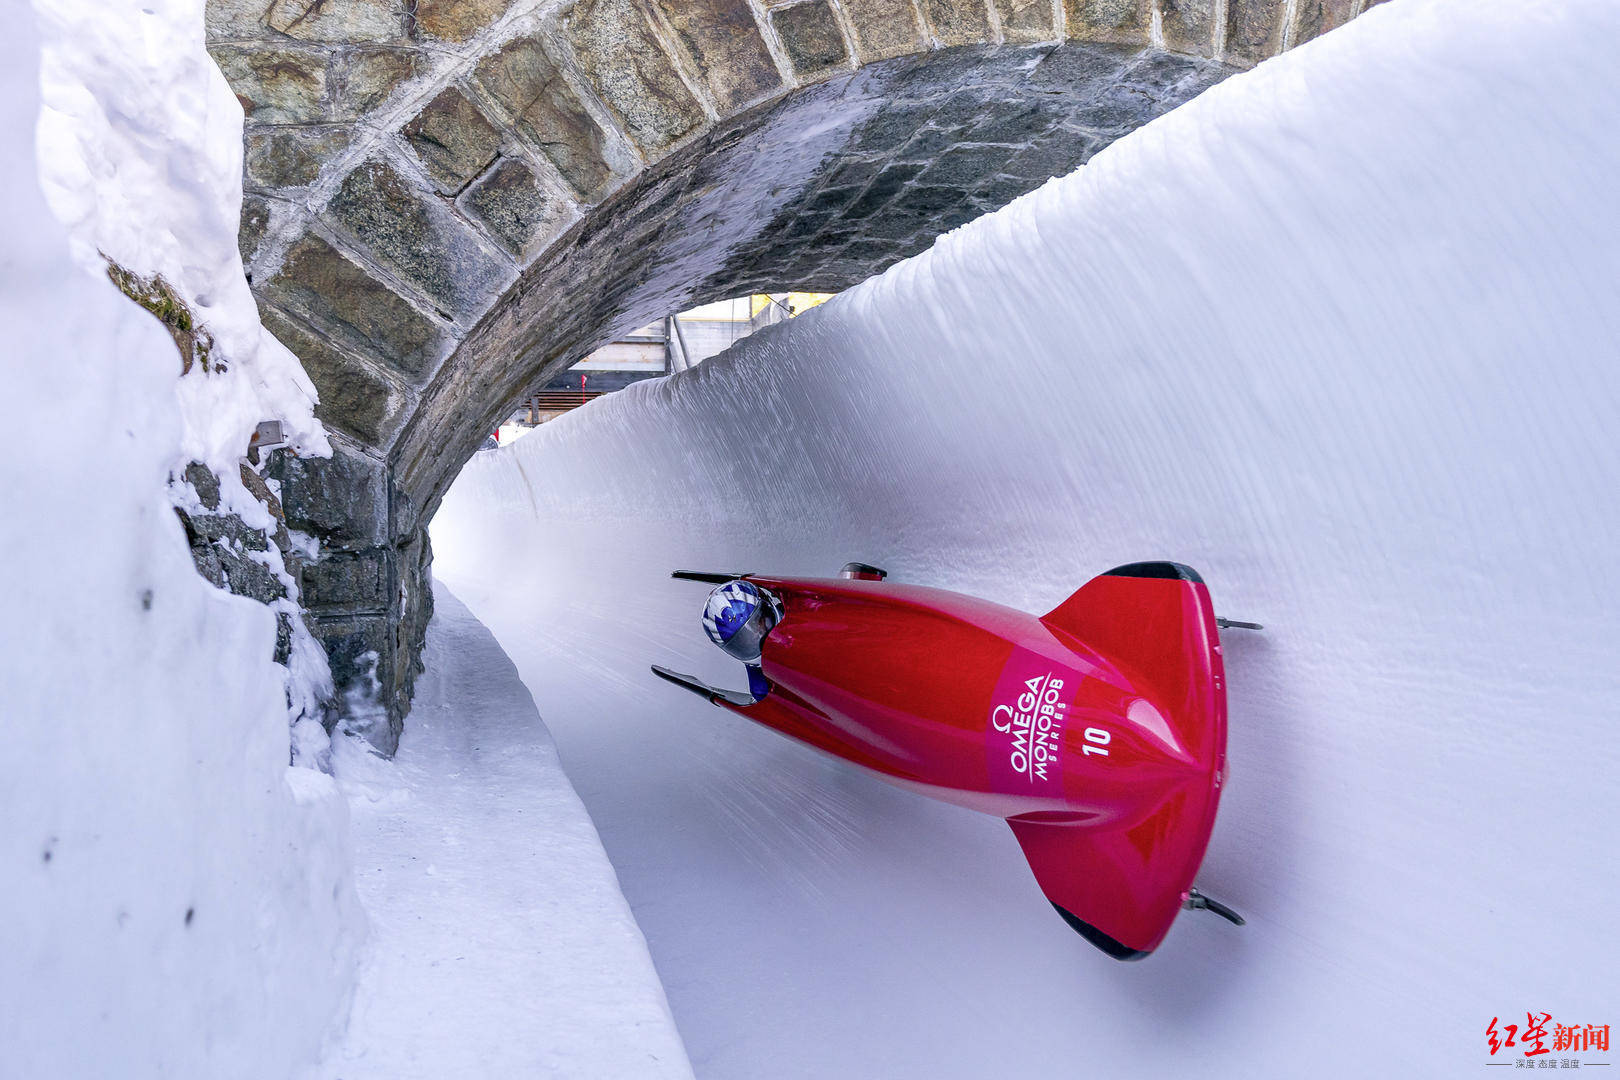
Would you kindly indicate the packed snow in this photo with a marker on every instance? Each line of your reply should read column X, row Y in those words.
column 174, row 899
column 1341, row 334
column 501, row 945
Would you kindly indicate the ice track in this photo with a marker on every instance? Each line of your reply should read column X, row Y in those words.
column 1341, row 334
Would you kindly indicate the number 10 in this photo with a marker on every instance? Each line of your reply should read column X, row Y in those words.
column 1100, row 737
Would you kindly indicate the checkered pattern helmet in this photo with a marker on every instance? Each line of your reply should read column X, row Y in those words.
column 737, row 617
column 728, row 609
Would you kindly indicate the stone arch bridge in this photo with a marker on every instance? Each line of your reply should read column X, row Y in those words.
column 449, row 200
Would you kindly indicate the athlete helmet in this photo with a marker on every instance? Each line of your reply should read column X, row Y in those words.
column 737, row 617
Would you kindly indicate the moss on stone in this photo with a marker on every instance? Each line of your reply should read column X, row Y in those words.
column 156, row 295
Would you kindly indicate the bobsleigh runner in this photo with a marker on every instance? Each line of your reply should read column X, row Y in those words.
column 1098, row 730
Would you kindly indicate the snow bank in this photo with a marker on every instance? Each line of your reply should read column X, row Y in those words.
column 1341, row 333
column 501, row 945
column 140, row 146
column 140, row 149
column 174, row 900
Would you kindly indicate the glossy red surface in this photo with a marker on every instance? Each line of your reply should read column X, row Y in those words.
column 1098, row 730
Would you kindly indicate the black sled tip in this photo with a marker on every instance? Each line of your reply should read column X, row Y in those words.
column 685, row 682
column 707, row 576
column 1116, row 949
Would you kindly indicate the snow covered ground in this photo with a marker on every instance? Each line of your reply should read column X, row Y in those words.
column 1342, row 334
column 501, row 945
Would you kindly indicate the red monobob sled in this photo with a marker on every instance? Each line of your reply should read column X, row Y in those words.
column 1097, row 730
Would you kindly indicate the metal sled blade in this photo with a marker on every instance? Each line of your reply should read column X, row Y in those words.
column 705, row 575
column 1234, row 624
column 1197, row 901
column 712, row 694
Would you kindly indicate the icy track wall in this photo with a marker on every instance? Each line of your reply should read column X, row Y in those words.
column 1340, row 333
column 174, row 899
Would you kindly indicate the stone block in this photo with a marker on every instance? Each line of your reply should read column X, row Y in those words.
column 832, row 199
column 1159, row 72
column 283, row 157
column 420, row 241
column 998, row 191
column 341, row 500
column 354, row 398
column 1056, row 155
column 205, row 557
column 958, row 22
column 343, row 579
column 630, row 71
column 1167, row 79
column 362, row 79
column 965, row 107
column 725, row 47
column 234, row 20
column 882, row 189
column 872, row 256
column 803, row 226
column 245, row 577
column 413, row 569
column 205, row 483
column 1016, row 122
column 853, row 172
column 1188, row 25
column 895, row 223
column 255, row 219
column 1126, row 21
column 1074, row 71
column 457, row 20
column 929, row 199
column 964, row 166
column 349, row 22
column 452, row 139
column 928, row 144
column 944, row 72
column 958, row 215
column 1254, row 29
column 1027, row 21
column 883, row 28
column 516, row 209
column 1117, row 109
column 276, row 85
column 406, row 517
column 546, row 111
column 1311, row 19
column 891, row 127
column 318, row 279
column 810, row 35
column 284, row 638
column 228, row 529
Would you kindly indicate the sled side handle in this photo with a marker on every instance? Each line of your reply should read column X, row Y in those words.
column 705, row 576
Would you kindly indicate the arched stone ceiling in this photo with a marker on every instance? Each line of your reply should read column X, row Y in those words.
column 448, row 200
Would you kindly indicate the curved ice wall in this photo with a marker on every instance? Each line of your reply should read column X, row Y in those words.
column 1341, row 333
